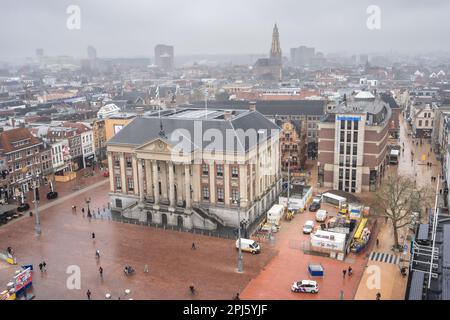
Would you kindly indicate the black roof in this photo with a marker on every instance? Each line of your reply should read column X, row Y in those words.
column 179, row 129
column 416, row 285
column 270, row 108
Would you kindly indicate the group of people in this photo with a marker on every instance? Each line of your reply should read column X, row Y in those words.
column 43, row 266
column 349, row 271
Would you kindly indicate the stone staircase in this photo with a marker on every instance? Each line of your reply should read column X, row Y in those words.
column 205, row 214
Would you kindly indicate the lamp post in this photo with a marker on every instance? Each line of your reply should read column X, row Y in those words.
column 37, row 227
column 88, row 200
column 240, row 262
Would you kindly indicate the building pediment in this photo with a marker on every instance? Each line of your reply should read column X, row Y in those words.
column 157, row 145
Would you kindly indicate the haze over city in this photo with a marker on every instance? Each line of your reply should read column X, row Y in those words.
column 133, row 28
column 224, row 150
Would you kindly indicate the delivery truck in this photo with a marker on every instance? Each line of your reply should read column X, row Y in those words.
column 275, row 214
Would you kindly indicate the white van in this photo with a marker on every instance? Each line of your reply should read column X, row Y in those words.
column 321, row 215
column 249, row 245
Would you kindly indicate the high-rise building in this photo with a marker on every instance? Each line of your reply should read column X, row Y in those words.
column 92, row 53
column 353, row 144
column 39, row 52
column 302, row 56
column 164, row 57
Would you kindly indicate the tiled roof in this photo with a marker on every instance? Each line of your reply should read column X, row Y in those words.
column 7, row 138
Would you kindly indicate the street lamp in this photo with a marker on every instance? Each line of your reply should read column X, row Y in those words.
column 35, row 177
column 88, row 200
column 240, row 262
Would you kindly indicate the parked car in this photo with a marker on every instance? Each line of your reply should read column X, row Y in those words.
column 308, row 286
column 317, row 198
column 308, row 227
column 106, row 174
column 314, row 206
column 23, row 207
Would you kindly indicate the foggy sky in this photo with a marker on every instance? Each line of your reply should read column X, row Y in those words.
column 133, row 27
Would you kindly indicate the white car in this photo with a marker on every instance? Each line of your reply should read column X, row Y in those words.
column 308, row 286
column 308, row 227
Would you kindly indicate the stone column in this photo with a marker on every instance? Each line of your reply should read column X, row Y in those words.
column 251, row 183
column 134, row 165
column 243, row 184
column 141, row 181
column 155, row 182
column 196, row 182
column 112, row 187
column 122, row 173
column 171, row 185
column 148, row 177
column 187, row 187
column 212, row 183
column 180, row 183
column 226, row 182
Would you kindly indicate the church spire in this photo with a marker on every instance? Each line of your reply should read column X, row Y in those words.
column 275, row 50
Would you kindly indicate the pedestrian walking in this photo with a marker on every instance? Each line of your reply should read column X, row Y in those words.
column 350, row 271
column 82, row 210
column 88, row 293
column 344, row 272
column 378, row 296
column 378, row 242
column 44, row 266
column 236, row 297
column 97, row 254
column 93, row 235
column 386, row 219
column 100, row 270
column 193, row 247
column 146, row 268
column 40, row 266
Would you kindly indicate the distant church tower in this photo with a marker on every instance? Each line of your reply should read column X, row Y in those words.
column 275, row 50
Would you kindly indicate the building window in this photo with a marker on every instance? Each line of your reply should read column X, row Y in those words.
column 342, row 125
column 234, row 194
column 128, row 160
column 220, row 195
column 219, row 170
column 420, row 123
column 355, row 150
column 349, row 125
column 130, row 184
column 342, row 136
column 355, row 136
column 116, row 161
column 205, row 192
column 355, row 125
column 205, row 169
column 234, row 172
column 426, row 123
column 118, row 183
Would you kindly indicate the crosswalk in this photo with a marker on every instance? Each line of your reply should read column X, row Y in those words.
column 384, row 257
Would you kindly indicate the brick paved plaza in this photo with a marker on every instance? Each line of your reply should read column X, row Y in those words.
column 173, row 265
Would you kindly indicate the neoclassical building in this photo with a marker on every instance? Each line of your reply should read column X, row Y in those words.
column 195, row 167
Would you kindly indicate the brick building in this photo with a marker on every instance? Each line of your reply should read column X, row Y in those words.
column 353, row 144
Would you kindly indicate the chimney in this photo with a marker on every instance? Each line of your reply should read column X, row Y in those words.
column 252, row 106
column 227, row 115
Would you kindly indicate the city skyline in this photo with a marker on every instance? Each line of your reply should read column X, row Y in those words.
column 222, row 28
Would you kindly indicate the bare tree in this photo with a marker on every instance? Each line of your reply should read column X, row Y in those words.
column 397, row 198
